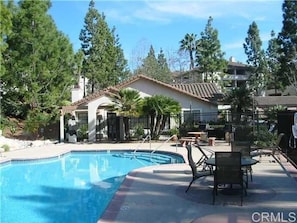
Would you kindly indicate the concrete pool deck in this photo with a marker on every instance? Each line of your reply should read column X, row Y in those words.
column 157, row 194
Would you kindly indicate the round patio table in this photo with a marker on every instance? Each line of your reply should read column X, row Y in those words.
column 245, row 161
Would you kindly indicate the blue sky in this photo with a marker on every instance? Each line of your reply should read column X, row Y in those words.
column 163, row 23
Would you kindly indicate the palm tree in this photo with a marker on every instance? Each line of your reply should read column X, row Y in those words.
column 189, row 43
column 240, row 100
column 126, row 104
column 159, row 108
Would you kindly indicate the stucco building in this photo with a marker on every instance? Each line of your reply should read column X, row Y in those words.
column 92, row 110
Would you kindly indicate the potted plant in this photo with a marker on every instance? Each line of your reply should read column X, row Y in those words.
column 174, row 133
column 82, row 133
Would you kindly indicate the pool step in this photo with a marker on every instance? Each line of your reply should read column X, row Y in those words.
column 152, row 157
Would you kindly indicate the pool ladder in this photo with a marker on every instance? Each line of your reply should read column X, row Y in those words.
column 147, row 138
column 167, row 140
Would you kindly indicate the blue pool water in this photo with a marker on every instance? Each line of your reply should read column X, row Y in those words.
column 73, row 188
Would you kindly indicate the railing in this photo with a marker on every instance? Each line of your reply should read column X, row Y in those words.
column 171, row 137
column 148, row 137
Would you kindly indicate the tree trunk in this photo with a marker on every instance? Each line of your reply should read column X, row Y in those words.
column 127, row 127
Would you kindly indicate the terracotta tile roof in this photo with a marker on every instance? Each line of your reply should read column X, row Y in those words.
column 236, row 64
column 204, row 94
column 107, row 91
column 170, row 86
column 267, row 101
column 204, row 90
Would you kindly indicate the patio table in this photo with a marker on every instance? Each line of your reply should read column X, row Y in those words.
column 245, row 161
column 201, row 135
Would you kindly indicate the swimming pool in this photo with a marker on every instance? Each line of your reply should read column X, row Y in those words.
column 75, row 187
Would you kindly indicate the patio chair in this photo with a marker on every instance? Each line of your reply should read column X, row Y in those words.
column 205, row 155
column 270, row 150
column 244, row 147
column 195, row 173
column 228, row 171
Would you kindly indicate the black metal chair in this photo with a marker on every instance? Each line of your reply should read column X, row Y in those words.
column 271, row 150
column 195, row 173
column 228, row 171
column 205, row 155
column 244, row 147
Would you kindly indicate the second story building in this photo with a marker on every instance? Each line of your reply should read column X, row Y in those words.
column 236, row 75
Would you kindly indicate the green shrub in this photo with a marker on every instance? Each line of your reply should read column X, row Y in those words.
column 35, row 120
column 264, row 138
column 82, row 132
column 5, row 147
column 186, row 127
column 6, row 123
column 12, row 128
column 174, row 131
column 243, row 133
column 138, row 131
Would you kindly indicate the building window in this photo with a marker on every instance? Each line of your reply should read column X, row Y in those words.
column 82, row 118
column 192, row 116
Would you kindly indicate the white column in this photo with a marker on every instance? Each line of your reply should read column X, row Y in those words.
column 92, row 122
column 62, row 127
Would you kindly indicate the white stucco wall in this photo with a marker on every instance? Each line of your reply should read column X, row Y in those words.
column 187, row 102
column 77, row 94
column 149, row 88
column 92, row 109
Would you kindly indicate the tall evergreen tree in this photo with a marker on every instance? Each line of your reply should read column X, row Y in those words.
column 121, row 71
column 209, row 57
column 287, row 39
column 78, row 63
column 189, row 44
column 256, row 58
column 104, row 64
column 156, row 68
column 149, row 65
column 164, row 71
column 5, row 30
column 39, row 63
column 273, row 66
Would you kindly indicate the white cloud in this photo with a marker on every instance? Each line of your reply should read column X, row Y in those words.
column 265, row 36
column 164, row 11
column 233, row 45
column 150, row 15
column 185, row 8
column 118, row 15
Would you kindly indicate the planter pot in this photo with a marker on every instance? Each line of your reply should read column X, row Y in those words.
column 174, row 138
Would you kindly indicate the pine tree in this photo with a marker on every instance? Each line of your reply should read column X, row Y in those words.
column 209, row 57
column 5, row 30
column 156, row 68
column 121, row 71
column 149, row 65
column 38, row 61
column 273, row 66
column 164, row 71
column 256, row 58
column 103, row 64
column 78, row 63
column 287, row 39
